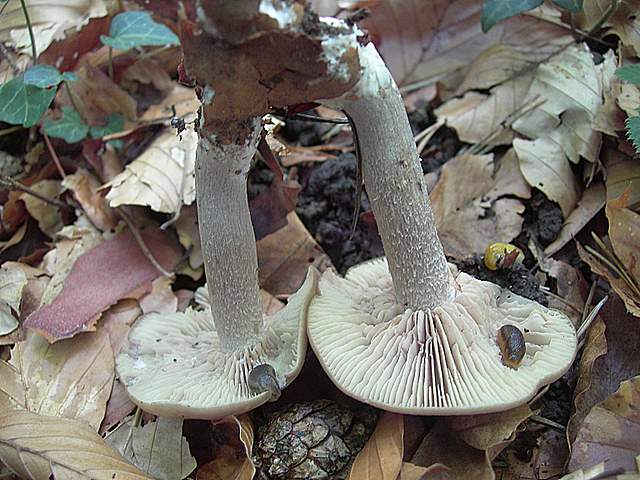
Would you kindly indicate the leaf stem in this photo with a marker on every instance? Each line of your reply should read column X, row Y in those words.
column 54, row 155
column 9, row 130
column 30, row 28
column 111, row 63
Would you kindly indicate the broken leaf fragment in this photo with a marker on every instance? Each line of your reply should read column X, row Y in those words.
column 12, row 283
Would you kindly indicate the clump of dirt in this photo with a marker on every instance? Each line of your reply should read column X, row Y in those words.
column 516, row 278
column 542, row 220
column 326, row 207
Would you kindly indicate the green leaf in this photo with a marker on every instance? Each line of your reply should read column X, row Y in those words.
column 574, row 6
column 630, row 73
column 22, row 104
column 495, row 10
column 71, row 128
column 115, row 123
column 69, row 77
column 633, row 131
column 137, row 29
column 42, row 76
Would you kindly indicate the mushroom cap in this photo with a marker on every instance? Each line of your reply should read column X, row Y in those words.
column 440, row 362
column 174, row 366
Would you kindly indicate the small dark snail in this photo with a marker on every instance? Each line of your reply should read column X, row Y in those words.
column 512, row 345
column 502, row 255
column 262, row 378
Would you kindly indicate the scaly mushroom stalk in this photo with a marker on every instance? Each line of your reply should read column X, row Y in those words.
column 396, row 188
column 228, row 241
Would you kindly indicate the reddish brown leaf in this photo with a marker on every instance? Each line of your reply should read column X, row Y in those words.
column 98, row 279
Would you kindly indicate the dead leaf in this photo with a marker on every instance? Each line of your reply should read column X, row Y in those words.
column 49, row 20
column 36, row 447
column 162, row 178
column 624, row 234
column 158, row 448
column 593, row 199
column 623, row 22
column 623, row 176
column 70, row 379
column 426, row 41
column 115, row 268
column 410, row 471
column 441, row 446
column 148, row 71
column 119, row 407
column 161, row 298
column 189, row 235
column 470, row 207
column 609, row 357
column 489, row 432
column 611, row 431
column 47, row 214
column 232, row 458
column 12, row 283
column 285, row 256
column 85, row 190
column 381, row 457
column 183, row 99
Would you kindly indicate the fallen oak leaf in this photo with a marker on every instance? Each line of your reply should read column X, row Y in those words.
column 36, row 447
column 115, row 268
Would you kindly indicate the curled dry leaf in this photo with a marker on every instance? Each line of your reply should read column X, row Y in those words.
column 98, row 279
column 592, row 201
column 47, row 214
column 158, row 448
column 36, row 447
column 381, row 457
column 426, row 41
column 611, row 431
column 465, row 194
column 50, row 21
column 162, row 178
column 232, row 456
column 69, row 379
column 12, row 283
column 85, row 190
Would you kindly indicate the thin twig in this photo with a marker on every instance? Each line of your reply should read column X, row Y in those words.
column 9, row 130
column 30, row 28
column 16, row 185
column 54, row 155
column 584, row 327
column 548, row 423
column 587, row 304
column 138, row 237
column 315, row 118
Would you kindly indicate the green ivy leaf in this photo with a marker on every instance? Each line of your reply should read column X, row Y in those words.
column 115, row 123
column 22, row 104
column 69, row 77
column 137, row 29
column 633, row 131
column 70, row 127
column 574, row 6
column 42, row 76
column 630, row 73
column 495, row 10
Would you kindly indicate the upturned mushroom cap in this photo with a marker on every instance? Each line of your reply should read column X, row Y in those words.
column 173, row 365
column 440, row 362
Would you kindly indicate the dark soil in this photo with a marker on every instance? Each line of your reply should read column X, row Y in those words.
column 444, row 144
column 542, row 221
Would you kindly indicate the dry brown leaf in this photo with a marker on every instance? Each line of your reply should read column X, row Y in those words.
column 232, row 457
column 381, row 457
column 49, row 20
column 47, row 214
column 610, row 356
column 12, row 283
column 158, row 448
column 37, row 446
column 284, row 257
column 466, row 192
column 162, row 178
column 149, row 71
column 442, row 446
column 489, row 432
column 623, row 176
column 119, row 407
column 593, row 199
column 161, row 298
column 410, row 471
column 476, row 117
column 69, row 379
column 570, row 287
column 189, row 235
column 611, row 431
column 182, row 98
column 624, row 234
column 85, row 190
column 624, row 21
column 425, row 41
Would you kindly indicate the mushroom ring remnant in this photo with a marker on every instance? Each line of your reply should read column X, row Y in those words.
column 173, row 365
column 445, row 361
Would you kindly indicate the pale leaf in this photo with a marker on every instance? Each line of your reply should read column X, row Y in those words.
column 592, row 201
column 158, row 448
column 47, row 214
column 162, row 178
column 623, row 176
column 381, row 457
column 85, row 190
column 71, row 378
column 12, row 283
column 37, row 446
column 624, row 233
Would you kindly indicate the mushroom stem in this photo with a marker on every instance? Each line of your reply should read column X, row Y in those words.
column 228, row 241
column 395, row 185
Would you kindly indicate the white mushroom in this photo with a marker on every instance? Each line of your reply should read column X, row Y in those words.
column 408, row 333
column 198, row 364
